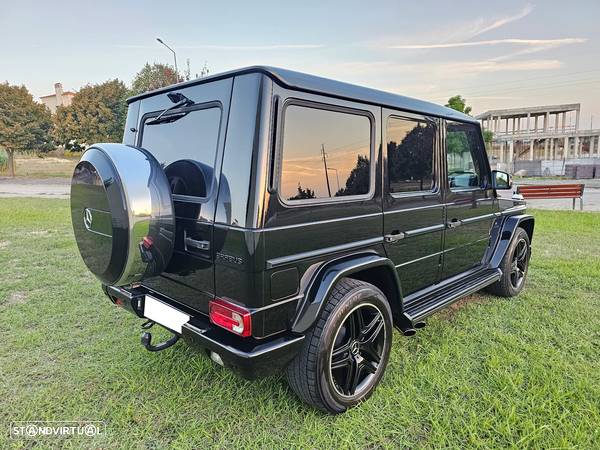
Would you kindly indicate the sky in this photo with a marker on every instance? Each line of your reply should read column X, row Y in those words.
column 496, row 54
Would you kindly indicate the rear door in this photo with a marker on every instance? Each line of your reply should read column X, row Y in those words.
column 413, row 205
column 189, row 149
column 469, row 199
column 327, row 200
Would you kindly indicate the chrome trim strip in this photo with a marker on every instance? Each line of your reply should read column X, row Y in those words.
column 321, row 222
column 361, row 216
column 425, row 230
column 276, row 303
column 298, row 225
column 417, row 208
column 477, row 218
column 281, row 260
column 422, row 258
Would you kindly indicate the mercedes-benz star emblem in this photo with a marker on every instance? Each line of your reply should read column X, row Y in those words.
column 87, row 218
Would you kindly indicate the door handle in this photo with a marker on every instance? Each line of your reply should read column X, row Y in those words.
column 193, row 243
column 196, row 245
column 395, row 236
column 454, row 223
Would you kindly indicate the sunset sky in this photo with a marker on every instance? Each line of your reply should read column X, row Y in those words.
column 496, row 54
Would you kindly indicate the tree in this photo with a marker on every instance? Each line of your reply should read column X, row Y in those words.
column 153, row 77
column 24, row 124
column 96, row 114
column 358, row 180
column 488, row 136
column 410, row 161
column 303, row 193
column 458, row 103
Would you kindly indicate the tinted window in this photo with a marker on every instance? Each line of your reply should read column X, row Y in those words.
column 193, row 137
column 463, row 145
column 410, row 155
column 325, row 154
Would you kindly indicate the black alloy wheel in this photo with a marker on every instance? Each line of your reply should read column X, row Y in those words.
column 519, row 264
column 357, row 350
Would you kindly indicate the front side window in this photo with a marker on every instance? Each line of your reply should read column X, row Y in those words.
column 410, row 155
column 463, row 144
column 325, row 154
column 186, row 148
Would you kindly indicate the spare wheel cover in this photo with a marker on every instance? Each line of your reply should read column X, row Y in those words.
column 122, row 213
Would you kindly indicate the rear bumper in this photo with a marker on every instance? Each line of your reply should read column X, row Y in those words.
column 248, row 357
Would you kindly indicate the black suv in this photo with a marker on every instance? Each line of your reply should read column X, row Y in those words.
column 278, row 220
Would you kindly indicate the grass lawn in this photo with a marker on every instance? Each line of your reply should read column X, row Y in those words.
column 487, row 373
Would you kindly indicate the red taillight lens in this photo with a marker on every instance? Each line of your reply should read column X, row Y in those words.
column 147, row 242
column 230, row 316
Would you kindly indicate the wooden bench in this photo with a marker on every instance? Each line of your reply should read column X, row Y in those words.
column 573, row 191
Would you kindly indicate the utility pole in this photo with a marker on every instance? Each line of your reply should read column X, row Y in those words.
column 337, row 176
column 325, row 164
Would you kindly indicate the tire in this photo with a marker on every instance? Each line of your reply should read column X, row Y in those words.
column 359, row 357
column 514, row 266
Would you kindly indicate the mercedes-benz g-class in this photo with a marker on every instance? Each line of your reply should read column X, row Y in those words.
column 282, row 221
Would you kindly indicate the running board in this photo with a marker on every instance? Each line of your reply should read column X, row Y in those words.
column 448, row 293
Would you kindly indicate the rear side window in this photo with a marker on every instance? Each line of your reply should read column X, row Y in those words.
column 410, row 155
column 325, row 154
column 193, row 138
column 463, row 146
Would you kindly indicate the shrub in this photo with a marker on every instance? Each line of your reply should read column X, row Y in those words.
column 3, row 161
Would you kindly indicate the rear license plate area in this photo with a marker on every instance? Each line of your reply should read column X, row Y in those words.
column 164, row 314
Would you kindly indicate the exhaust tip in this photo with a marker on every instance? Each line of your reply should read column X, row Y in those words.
column 216, row 358
column 409, row 332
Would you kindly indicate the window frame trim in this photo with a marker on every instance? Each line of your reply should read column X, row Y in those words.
column 436, row 188
column 483, row 182
column 312, row 104
column 195, row 107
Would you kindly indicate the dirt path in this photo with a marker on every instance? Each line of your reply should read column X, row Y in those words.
column 33, row 187
column 61, row 187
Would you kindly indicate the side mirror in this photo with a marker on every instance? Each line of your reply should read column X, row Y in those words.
column 501, row 180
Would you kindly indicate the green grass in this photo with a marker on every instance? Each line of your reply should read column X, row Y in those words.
column 487, row 373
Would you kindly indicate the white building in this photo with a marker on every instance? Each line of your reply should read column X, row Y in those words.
column 540, row 139
column 59, row 98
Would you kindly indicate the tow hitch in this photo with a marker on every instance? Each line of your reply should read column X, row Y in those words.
column 147, row 339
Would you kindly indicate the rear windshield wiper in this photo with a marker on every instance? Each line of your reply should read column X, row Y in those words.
column 180, row 101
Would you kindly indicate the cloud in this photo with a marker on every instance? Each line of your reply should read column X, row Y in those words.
column 492, row 97
column 533, row 42
column 236, row 47
column 257, row 47
column 465, row 31
column 504, row 20
column 495, row 66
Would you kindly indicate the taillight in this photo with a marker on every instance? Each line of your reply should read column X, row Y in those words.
column 147, row 242
column 230, row 316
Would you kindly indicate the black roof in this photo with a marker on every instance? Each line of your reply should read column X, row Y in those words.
column 326, row 86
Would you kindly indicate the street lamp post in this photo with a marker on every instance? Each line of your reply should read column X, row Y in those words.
column 173, row 51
